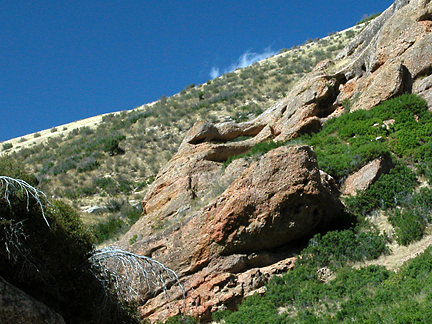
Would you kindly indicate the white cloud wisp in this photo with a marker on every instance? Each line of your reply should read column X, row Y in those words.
column 246, row 59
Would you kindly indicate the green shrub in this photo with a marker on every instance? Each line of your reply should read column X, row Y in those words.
column 69, row 163
column 370, row 294
column 124, row 185
column 133, row 239
column 389, row 191
column 132, row 213
column 410, row 221
column 107, row 184
column 409, row 226
column 368, row 18
column 87, row 164
column 182, row 319
column 337, row 248
column 85, row 131
column 123, row 216
column 254, row 310
column 44, row 250
column 86, row 191
column 111, row 145
column 109, row 229
column 7, row 146
column 348, row 142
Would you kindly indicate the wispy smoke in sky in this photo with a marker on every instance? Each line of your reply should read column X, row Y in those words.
column 247, row 58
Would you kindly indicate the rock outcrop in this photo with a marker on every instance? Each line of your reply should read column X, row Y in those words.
column 271, row 202
column 277, row 200
column 213, row 225
column 367, row 175
column 221, row 285
column 392, row 55
column 18, row 307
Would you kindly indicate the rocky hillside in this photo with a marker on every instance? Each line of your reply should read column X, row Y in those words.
column 80, row 162
column 309, row 165
column 226, row 221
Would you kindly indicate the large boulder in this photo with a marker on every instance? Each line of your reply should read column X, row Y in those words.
column 269, row 204
column 18, row 307
column 277, row 200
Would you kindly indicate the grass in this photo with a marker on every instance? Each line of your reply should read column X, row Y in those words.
column 347, row 143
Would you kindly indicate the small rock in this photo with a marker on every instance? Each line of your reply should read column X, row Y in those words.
column 363, row 178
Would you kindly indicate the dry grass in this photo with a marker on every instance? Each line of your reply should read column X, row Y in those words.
column 400, row 254
column 158, row 128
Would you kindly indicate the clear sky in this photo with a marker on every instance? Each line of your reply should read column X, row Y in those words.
column 64, row 60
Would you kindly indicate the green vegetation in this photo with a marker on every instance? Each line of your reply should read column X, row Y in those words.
column 341, row 294
column 323, row 288
column 7, row 146
column 111, row 144
column 347, row 143
column 123, row 153
column 116, row 224
column 45, row 249
column 121, row 156
column 370, row 294
column 391, row 190
column 400, row 130
column 337, row 248
column 367, row 295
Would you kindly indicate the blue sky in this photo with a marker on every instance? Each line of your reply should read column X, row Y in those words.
column 61, row 61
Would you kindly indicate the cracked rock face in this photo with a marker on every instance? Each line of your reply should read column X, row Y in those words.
column 217, row 227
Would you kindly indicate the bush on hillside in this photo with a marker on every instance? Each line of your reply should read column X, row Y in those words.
column 7, row 146
column 111, row 145
column 370, row 294
column 337, row 248
column 44, row 251
column 348, row 142
column 389, row 191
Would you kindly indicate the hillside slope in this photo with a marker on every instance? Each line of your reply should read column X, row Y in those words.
column 321, row 167
column 75, row 162
column 238, row 196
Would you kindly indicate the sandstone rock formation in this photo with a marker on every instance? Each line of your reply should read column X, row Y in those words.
column 18, row 307
column 277, row 200
column 220, row 285
column 271, row 202
column 208, row 222
column 392, row 55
